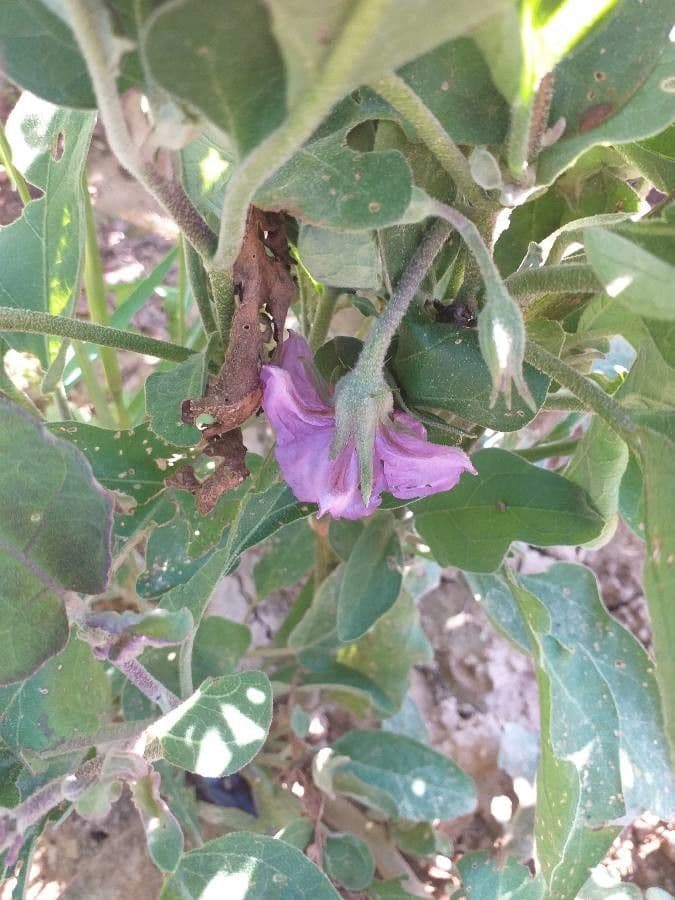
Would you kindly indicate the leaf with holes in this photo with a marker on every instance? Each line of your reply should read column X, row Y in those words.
column 248, row 866
column 220, row 728
column 401, row 778
column 509, row 500
column 55, row 526
column 41, row 252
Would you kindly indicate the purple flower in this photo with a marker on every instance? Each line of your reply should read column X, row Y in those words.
column 299, row 405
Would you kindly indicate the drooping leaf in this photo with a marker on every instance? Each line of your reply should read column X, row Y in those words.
column 220, row 728
column 341, row 259
column 631, row 274
column 401, row 778
column 226, row 67
column 40, row 53
column 162, row 831
column 164, row 396
column 483, row 877
column 440, row 366
column 348, row 861
column 615, row 86
column 68, row 697
column 372, row 579
column 328, row 184
column 41, row 251
column 55, row 524
column 510, row 499
column 248, row 866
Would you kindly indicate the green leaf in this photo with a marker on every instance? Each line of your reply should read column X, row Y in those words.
column 654, row 158
column 343, row 535
column 318, row 627
column 496, row 598
column 391, row 889
column 206, row 167
column 631, row 498
column 440, row 366
column 226, row 67
column 482, row 877
column 40, row 53
column 340, row 258
column 372, row 579
column 162, row 831
column 307, row 33
column 328, row 184
column 55, row 524
column 248, row 867
column 632, row 275
column 41, row 251
column 614, row 87
column 390, row 649
column 67, row 698
column 220, row 728
column 164, row 396
column 344, row 683
column 348, row 860
column 509, row 500
column 454, row 82
column 401, row 778
column 219, row 646
column 597, row 466
column 289, row 557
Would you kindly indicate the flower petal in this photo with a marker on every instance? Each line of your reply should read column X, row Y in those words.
column 413, row 466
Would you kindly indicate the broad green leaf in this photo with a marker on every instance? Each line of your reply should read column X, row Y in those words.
column 631, row 498
column 40, row 53
column 510, row 499
column 340, row 258
column 55, row 524
column 372, row 579
column 401, row 778
column 632, row 275
column 440, row 366
column 483, row 877
column 390, row 649
column 392, row 889
column 496, row 598
column 226, row 67
column 348, row 861
column 343, row 535
column 164, row 396
column 162, row 831
column 219, row 646
column 328, row 184
column 206, row 167
column 248, row 867
column 616, row 86
column 597, row 465
column 318, row 627
column 220, row 728
column 307, row 33
column 454, row 82
column 67, row 698
column 41, row 251
column 654, row 158
column 349, row 686
column 289, row 557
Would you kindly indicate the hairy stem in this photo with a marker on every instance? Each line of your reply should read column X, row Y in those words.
column 572, row 278
column 589, row 393
column 13, row 173
column 147, row 684
column 32, row 322
column 336, row 77
column 546, row 451
column 565, row 402
column 92, row 27
column 518, row 141
column 322, row 318
column 373, row 354
column 222, row 290
column 402, row 97
column 94, row 286
column 199, row 286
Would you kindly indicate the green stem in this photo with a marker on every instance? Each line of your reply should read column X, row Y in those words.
column 401, row 96
column 94, row 287
column 96, row 395
column 518, row 141
column 181, row 290
column 589, row 393
column 571, row 278
column 222, row 290
column 92, row 27
column 185, row 665
column 13, row 173
column 374, row 352
column 546, row 451
column 322, row 318
column 564, row 402
column 32, row 322
column 337, row 76
column 199, row 287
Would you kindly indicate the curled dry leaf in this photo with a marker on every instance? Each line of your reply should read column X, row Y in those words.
column 263, row 291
